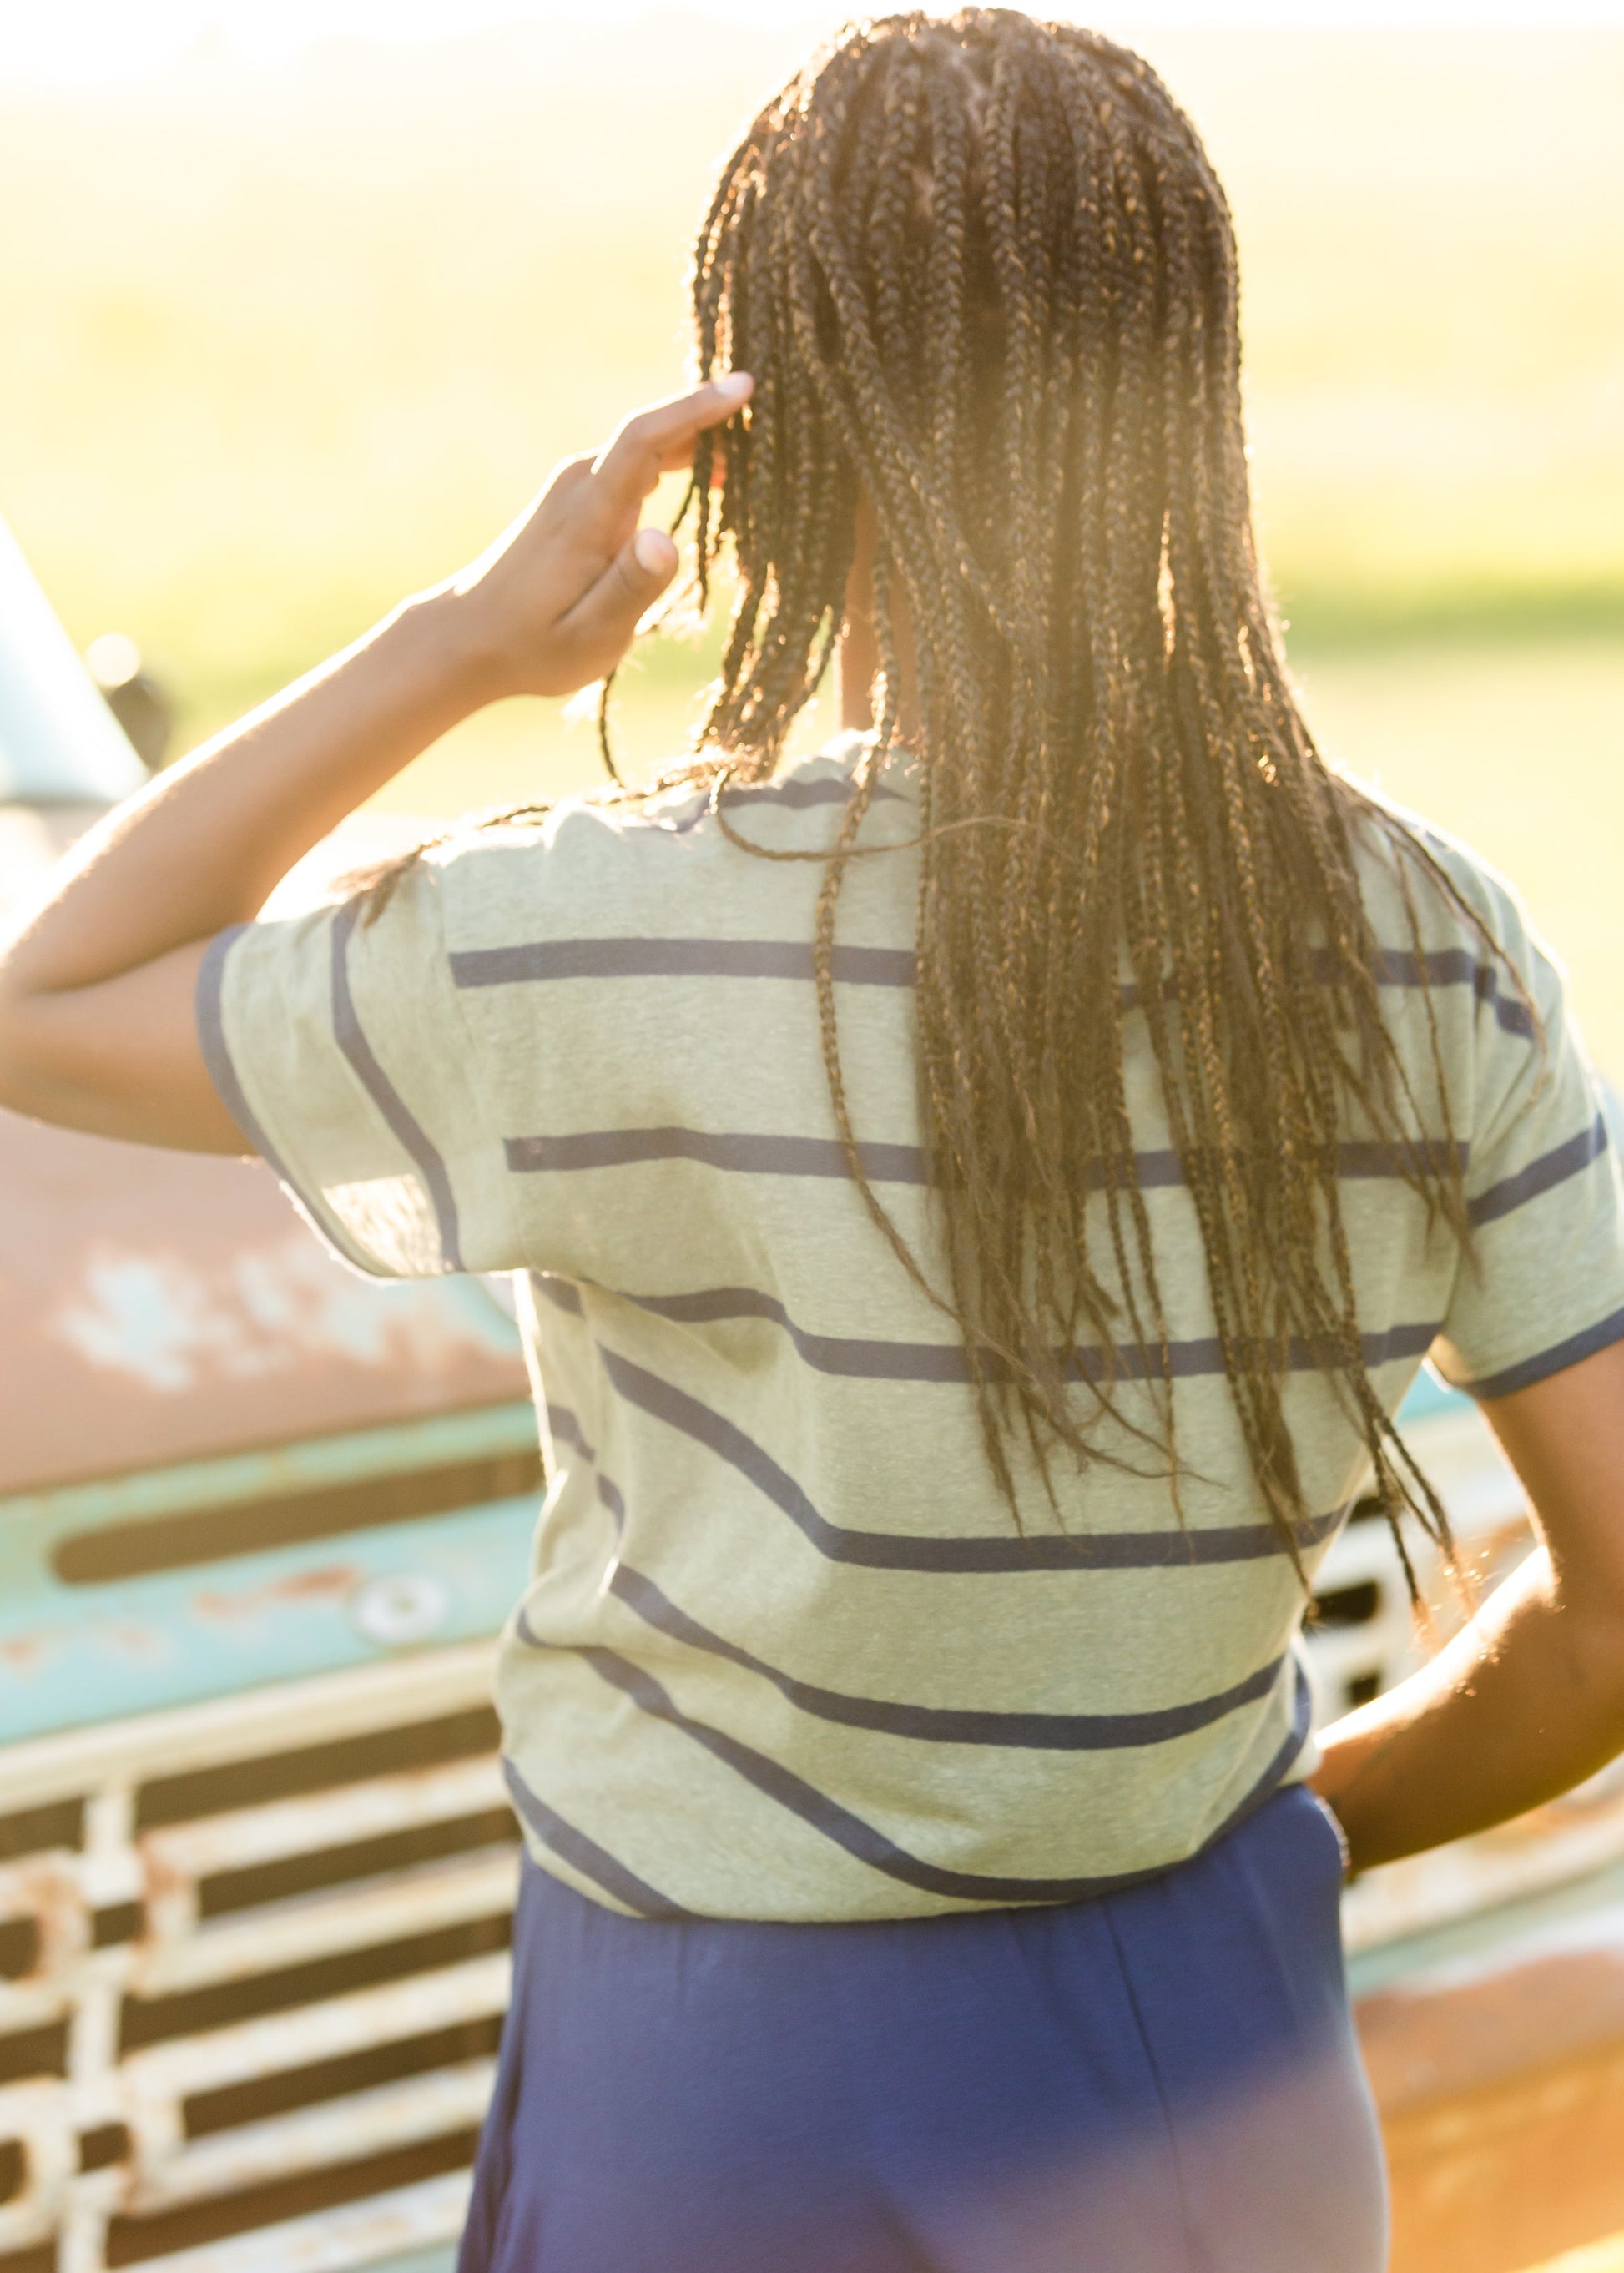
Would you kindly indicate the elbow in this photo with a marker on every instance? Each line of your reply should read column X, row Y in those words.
column 14, row 1041
column 1594, row 1633
column 26, row 1053
column 16, row 1087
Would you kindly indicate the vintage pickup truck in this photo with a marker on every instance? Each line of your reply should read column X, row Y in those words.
column 259, row 1521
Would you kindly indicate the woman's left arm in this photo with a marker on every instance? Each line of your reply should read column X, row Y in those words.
column 97, row 1027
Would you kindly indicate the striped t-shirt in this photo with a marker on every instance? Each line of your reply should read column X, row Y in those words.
column 783, row 1653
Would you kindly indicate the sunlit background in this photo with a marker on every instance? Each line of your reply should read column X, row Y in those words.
column 301, row 302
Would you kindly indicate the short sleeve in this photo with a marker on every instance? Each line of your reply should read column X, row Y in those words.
column 1545, row 1285
column 336, row 1042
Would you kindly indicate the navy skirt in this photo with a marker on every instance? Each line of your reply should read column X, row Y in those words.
column 1160, row 2081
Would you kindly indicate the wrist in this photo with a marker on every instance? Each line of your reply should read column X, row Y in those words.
column 451, row 639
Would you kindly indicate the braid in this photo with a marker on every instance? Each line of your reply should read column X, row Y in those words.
column 986, row 278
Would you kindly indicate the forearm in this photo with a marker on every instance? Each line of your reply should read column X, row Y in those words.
column 96, row 984
column 205, row 844
column 1526, row 1702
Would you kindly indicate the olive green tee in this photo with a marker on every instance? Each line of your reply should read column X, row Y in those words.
column 783, row 1653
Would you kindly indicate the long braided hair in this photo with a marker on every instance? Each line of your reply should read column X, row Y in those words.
column 986, row 280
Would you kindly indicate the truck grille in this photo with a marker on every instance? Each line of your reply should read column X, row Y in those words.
column 253, row 1951
column 252, row 1969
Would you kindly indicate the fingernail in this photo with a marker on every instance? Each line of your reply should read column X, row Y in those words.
column 651, row 550
column 735, row 386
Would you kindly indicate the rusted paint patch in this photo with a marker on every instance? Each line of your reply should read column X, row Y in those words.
column 150, row 1642
column 52, row 1894
column 159, row 1307
column 160, row 1319
column 329, row 1582
column 25, row 1654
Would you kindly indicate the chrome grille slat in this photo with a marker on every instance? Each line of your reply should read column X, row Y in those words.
column 450, row 2099
column 329, row 1706
column 177, row 1860
column 376, row 2231
column 284, row 1934
column 313, row 2033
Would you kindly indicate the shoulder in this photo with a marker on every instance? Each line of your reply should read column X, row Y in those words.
column 610, row 857
column 555, row 864
column 1422, row 883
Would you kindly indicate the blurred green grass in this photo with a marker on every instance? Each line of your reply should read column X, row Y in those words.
column 283, row 345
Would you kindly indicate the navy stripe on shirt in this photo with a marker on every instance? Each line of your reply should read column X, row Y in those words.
column 1455, row 966
column 1542, row 1174
column 1544, row 1363
column 888, row 1550
column 1291, row 1744
column 747, row 1155
column 358, row 1051
column 591, row 1860
column 741, row 1153
column 564, row 1428
column 867, row 1358
column 217, row 1055
column 854, row 1357
column 795, row 796
column 622, row 957
column 1054, row 1732
column 674, row 958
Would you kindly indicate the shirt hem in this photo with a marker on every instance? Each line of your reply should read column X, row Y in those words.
column 1546, row 1362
